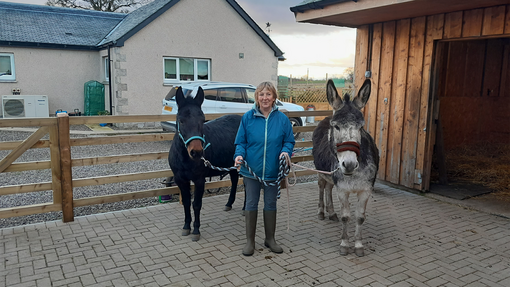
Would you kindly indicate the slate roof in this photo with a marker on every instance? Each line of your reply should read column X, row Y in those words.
column 56, row 27
column 138, row 19
column 24, row 24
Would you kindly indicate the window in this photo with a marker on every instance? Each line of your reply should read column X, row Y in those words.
column 171, row 69
column 203, row 70
column 251, row 95
column 186, row 69
column 7, row 71
column 210, row 94
column 231, row 95
column 106, row 65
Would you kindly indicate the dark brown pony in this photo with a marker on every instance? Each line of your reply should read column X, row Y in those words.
column 194, row 140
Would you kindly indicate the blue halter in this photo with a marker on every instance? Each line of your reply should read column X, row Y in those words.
column 186, row 142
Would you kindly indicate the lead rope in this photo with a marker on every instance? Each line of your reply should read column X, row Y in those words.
column 316, row 170
column 283, row 171
column 285, row 166
column 287, row 185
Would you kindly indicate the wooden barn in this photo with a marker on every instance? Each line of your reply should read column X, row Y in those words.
column 440, row 71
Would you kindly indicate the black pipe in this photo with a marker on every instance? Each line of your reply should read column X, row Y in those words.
column 110, row 80
column 370, row 47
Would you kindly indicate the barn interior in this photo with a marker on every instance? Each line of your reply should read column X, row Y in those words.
column 472, row 87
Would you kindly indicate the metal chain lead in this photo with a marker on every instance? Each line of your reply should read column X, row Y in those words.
column 283, row 171
column 209, row 165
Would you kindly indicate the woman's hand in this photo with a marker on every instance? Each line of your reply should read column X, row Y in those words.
column 283, row 154
column 238, row 161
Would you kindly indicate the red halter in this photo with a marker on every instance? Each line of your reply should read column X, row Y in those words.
column 345, row 146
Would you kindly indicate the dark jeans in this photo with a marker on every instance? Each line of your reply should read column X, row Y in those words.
column 253, row 187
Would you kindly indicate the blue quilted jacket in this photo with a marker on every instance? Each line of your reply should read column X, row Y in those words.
column 260, row 142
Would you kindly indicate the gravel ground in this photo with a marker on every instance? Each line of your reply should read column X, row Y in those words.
column 18, row 178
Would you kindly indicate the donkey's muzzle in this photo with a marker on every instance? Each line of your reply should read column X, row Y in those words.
column 195, row 150
column 348, row 167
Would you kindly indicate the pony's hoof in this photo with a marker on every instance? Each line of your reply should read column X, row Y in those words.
column 344, row 250
column 186, row 232
column 359, row 251
column 195, row 237
column 321, row 215
column 334, row 217
column 227, row 208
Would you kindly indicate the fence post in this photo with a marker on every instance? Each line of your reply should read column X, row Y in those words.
column 64, row 143
column 56, row 171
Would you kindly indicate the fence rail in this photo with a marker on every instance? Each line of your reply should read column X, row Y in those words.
column 61, row 161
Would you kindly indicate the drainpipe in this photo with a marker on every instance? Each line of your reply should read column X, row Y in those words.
column 368, row 72
column 110, row 80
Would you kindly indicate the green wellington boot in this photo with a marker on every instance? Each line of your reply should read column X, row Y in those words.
column 270, row 227
column 251, row 225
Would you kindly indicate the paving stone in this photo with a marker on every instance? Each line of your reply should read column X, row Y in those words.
column 410, row 240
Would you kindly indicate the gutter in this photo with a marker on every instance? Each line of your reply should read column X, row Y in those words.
column 316, row 5
column 48, row 46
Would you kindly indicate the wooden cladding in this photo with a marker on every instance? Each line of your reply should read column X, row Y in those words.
column 401, row 55
column 475, row 68
column 474, row 91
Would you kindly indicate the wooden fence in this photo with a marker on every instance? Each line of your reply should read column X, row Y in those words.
column 61, row 161
column 309, row 96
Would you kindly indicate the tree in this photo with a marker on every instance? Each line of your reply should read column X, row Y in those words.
column 349, row 74
column 123, row 6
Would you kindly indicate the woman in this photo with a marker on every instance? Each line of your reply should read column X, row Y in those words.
column 265, row 134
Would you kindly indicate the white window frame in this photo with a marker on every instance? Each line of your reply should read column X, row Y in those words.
column 12, row 76
column 106, row 65
column 208, row 69
column 195, row 69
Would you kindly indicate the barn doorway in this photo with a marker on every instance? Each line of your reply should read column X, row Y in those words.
column 472, row 101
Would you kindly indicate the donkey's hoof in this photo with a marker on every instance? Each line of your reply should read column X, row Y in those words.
column 334, row 217
column 359, row 251
column 321, row 215
column 195, row 237
column 344, row 250
column 186, row 232
column 227, row 208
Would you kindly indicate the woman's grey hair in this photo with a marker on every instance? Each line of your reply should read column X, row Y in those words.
column 262, row 86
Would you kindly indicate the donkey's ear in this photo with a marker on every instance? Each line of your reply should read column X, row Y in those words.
column 363, row 95
column 179, row 96
column 199, row 98
column 333, row 98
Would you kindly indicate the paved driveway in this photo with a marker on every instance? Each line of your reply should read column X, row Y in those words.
column 410, row 240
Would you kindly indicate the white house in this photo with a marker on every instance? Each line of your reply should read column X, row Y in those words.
column 54, row 51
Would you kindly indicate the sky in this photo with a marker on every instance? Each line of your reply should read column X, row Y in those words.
column 310, row 50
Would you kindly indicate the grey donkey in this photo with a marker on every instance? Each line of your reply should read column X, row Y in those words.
column 342, row 146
